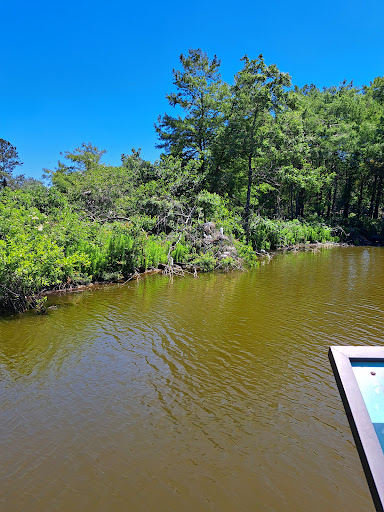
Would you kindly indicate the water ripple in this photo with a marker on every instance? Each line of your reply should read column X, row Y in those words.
column 205, row 394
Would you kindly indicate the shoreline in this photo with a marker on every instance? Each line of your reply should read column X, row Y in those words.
column 181, row 271
column 37, row 302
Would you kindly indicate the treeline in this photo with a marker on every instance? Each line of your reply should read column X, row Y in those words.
column 282, row 151
column 246, row 168
column 97, row 222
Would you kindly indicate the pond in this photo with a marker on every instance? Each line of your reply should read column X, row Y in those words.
column 208, row 394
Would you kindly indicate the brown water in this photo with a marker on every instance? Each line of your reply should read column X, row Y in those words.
column 209, row 394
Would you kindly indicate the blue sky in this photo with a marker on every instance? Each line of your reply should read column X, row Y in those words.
column 98, row 72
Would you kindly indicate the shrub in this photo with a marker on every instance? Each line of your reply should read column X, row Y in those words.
column 270, row 234
column 180, row 253
column 205, row 262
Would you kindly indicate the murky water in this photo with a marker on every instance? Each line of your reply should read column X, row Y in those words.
column 209, row 394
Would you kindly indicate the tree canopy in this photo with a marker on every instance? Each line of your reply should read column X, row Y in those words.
column 9, row 159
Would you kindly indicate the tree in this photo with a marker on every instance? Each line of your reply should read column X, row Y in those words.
column 372, row 143
column 9, row 159
column 257, row 95
column 85, row 157
column 200, row 93
column 84, row 180
column 331, row 120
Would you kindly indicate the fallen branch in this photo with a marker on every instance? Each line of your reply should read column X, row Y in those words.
column 135, row 275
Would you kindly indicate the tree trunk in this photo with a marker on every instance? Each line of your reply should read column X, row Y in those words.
column 320, row 207
column 373, row 195
column 248, row 203
column 334, row 198
column 347, row 198
column 302, row 208
column 278, row 206
column 360, row 198
column 329, row 202
column 299, row 204
column 378, row 199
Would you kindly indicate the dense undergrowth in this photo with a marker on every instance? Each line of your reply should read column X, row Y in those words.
column 98, row 223
column 47, row 243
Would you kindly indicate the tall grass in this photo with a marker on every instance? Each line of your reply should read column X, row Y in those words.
column 267, row 234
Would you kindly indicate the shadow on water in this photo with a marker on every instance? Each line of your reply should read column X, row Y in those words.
column 202, row 394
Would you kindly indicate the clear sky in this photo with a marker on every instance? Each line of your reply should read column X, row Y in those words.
column 92, row 71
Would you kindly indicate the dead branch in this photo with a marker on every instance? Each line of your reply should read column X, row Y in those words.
column 170, row 266
column 135, row 275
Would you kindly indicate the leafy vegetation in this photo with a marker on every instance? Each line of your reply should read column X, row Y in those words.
column 266, row 234
column 247, row 167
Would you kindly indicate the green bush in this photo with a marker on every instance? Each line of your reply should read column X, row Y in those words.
column 180, row 253
column 205, row 262
column 246, row 253
column 30, row 257
column 270, row 234
column 227, row 264
column 155, row 251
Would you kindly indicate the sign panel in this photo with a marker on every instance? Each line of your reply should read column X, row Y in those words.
column 370, row 379
column 359, row 374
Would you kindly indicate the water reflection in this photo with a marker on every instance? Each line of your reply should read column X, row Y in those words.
column 205, row 394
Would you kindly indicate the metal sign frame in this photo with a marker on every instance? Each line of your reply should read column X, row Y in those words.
column 367, row 443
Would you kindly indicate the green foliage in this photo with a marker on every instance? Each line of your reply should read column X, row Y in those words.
column 39, row 251
column 155, row 251
column 200, row 93
column 40, row 305
column 247, row 254
column 9, row 159
column 210, row 204
column 30, row 258
column 364, row 230
column 181, row 253
column 227, row 264
column 267, row 234
column 205, row 262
